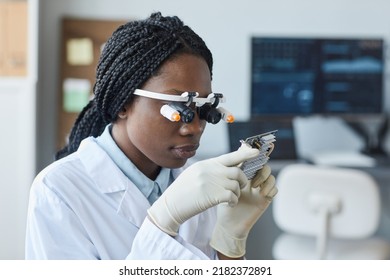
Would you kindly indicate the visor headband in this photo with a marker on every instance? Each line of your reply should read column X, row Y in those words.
column 184, row 97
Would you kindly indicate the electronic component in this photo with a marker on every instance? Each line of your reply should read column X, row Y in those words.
column 264, row 143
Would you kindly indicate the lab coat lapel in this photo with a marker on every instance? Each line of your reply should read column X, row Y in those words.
column 110, row 179
column 134, row 205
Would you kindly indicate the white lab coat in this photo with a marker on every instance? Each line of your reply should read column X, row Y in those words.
column 84, row 207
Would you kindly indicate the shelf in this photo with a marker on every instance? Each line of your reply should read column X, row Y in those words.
column 14, row 30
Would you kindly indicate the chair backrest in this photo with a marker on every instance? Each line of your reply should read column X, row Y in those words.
column 304, row 188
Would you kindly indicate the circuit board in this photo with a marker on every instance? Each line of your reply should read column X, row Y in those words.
column 265, row 143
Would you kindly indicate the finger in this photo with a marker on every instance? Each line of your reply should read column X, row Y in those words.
column 270, row 196
column 268, row 188
column 267, row 185
column 236, row 157
column 235, row 173
column 230, row 196
column 261, row 176
column 233, row 187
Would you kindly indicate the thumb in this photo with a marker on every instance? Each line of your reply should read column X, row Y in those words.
column 234, row 158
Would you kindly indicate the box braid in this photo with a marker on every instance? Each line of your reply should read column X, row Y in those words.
column 132, row 55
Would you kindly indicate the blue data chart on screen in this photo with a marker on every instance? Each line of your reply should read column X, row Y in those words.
column 302, row 76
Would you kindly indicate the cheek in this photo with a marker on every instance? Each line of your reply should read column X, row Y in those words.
column 144, row 116
column 150, row 131
column 154, row 139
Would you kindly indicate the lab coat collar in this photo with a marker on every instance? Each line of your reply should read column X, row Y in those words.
column 106, row 175
column 109, row 179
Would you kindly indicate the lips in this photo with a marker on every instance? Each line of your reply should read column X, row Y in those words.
column 185, row 151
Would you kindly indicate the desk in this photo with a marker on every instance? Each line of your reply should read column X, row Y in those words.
column 265, row 231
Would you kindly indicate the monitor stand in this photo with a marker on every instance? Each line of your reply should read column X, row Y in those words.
column 373, row 129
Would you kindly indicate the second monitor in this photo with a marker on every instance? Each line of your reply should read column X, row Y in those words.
column 303, row 76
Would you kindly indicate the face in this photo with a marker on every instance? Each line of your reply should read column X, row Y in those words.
column 150, row 140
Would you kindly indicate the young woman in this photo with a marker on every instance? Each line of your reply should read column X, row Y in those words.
column 119, row 189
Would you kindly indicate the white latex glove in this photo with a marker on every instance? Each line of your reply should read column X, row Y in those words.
column 201, row 186
column 234, row 223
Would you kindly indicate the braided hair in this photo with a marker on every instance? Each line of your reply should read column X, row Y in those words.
column 132, row 55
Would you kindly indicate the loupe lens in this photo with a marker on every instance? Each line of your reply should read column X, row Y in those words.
column 210, row 114
column 186, row 114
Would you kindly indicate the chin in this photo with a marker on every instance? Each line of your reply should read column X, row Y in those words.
column 178, row 163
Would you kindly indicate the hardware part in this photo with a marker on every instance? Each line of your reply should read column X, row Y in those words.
column 264, row 143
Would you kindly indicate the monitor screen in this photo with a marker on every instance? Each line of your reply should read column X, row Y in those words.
column 303, row 76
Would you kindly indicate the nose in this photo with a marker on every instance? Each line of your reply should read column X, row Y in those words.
column 194, row 128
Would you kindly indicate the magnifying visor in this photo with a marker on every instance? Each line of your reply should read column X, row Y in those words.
column 178, row 108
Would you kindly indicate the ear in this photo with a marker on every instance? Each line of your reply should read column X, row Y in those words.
column 123, row 113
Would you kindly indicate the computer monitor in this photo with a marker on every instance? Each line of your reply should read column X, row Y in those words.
column 304, row 76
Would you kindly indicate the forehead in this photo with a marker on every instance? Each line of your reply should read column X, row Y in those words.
column 182, row 73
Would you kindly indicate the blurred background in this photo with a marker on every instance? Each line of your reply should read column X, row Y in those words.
column 49, row 50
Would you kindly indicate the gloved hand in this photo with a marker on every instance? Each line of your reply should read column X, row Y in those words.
column 201, row 186
column 234, row 223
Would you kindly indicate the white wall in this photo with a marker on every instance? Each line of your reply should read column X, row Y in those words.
column 226, row 26
column 17, row 148
column 17, row 164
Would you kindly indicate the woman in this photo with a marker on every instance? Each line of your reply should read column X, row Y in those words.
column 107, row 197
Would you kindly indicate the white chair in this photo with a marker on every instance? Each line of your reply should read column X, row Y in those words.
column 327, row 213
